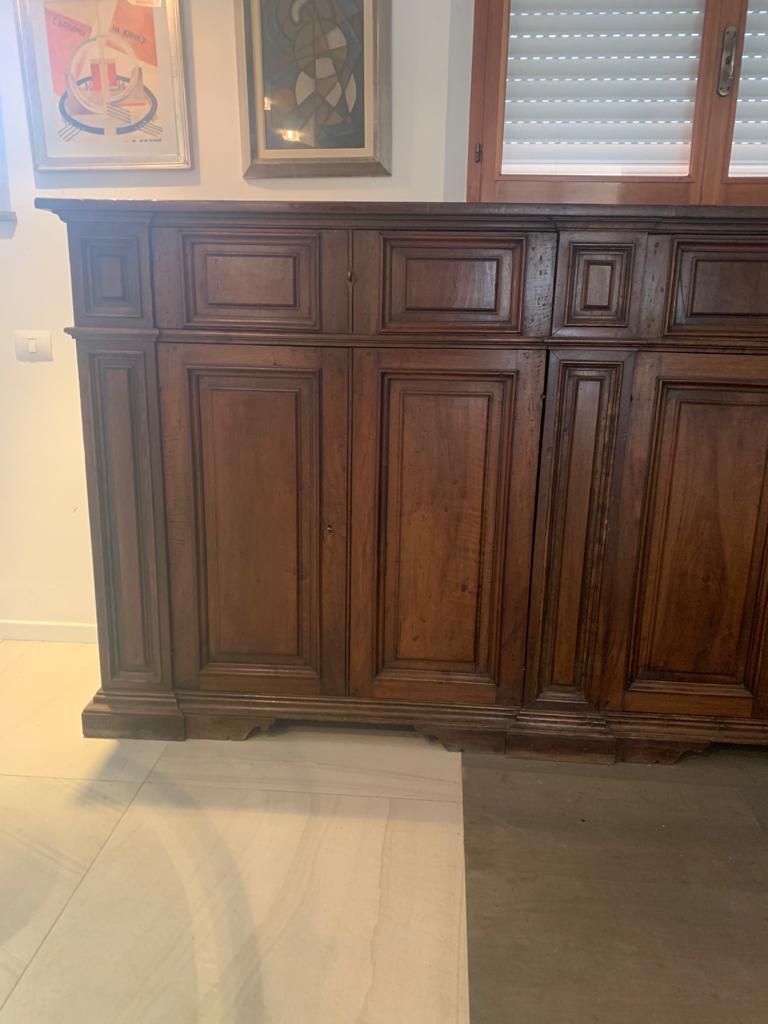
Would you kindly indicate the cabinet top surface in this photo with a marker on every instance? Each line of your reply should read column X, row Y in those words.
column 405, row 215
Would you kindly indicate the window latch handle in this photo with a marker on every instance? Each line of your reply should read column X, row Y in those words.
column 728, row 61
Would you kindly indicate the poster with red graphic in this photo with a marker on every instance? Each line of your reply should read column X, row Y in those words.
column 105, row 83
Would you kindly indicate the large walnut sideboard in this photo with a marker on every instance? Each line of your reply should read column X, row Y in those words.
column 496, row 473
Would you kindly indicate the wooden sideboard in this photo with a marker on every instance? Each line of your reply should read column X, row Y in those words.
column 497, row 473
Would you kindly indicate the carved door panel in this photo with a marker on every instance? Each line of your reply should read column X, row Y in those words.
column 255, row 463
column 588, row 399
column 686, row 622
column 444, row 475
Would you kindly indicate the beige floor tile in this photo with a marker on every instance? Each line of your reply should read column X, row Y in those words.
column 236, row 905
column 320, row 760
column 50, row 832
column 43, row 689
column 10, row 652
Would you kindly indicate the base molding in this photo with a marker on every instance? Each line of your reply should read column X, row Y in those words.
column 226, row 727
column 563, row 734
column 48, row 632
column 656, row 751
column 138, row 716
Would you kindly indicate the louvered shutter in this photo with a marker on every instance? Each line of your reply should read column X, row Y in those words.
column 601, row 88
column 749, row 153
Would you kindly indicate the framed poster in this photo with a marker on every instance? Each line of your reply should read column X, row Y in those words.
column 104, row 84
column 315, row 87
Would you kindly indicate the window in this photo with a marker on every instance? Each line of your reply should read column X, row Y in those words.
column 749, row 152
column 634, row 101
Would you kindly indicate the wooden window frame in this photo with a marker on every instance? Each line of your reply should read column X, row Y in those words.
column 707, row 182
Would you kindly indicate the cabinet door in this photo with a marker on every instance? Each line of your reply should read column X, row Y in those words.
column 588, row 400
column 686, row 622
column 443, row 480
column 255, row 462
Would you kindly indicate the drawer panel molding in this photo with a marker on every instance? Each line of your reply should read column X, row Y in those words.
column 463, row 284
column 719, row 287
column 265, row 281
column 599, row 291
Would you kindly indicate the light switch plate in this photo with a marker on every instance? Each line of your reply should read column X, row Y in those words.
column 33, row 346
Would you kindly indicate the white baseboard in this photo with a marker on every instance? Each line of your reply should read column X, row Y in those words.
column 50, row 632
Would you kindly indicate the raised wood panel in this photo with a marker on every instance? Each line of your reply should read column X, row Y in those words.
column 693, row 535
column 706, row 534
column 263, row 281
column 111, row 278
column 255, row 443
column 444, row 466
column 447, row 283
column 588, row 404
column 429, row 282
column 234, row 280
column 719, row 287
column 443, row 488
column 598, row 288
column 258, row 541
column 110, row 274
column 118, row 388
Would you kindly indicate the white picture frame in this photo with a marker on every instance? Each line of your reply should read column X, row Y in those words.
column 104, row 84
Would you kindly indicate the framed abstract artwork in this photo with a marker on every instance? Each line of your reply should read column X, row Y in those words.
column 104, row 84
column 315, row 87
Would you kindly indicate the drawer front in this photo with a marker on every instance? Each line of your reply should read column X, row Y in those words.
column 719, row 287
column 408, row 283
column 599, row 285
column 111, row 281
column 251, row 279
column 264, row 280
column 429, row 283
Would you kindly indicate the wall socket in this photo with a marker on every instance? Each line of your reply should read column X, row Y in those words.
column 33, row 346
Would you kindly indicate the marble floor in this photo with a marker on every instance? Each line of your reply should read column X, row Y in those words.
column 311, row 876
column 316, row 876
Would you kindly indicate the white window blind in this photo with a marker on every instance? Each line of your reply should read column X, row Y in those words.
column 749, row 152
column 601, row 87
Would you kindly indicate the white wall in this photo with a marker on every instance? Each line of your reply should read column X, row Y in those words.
column 46, row 589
